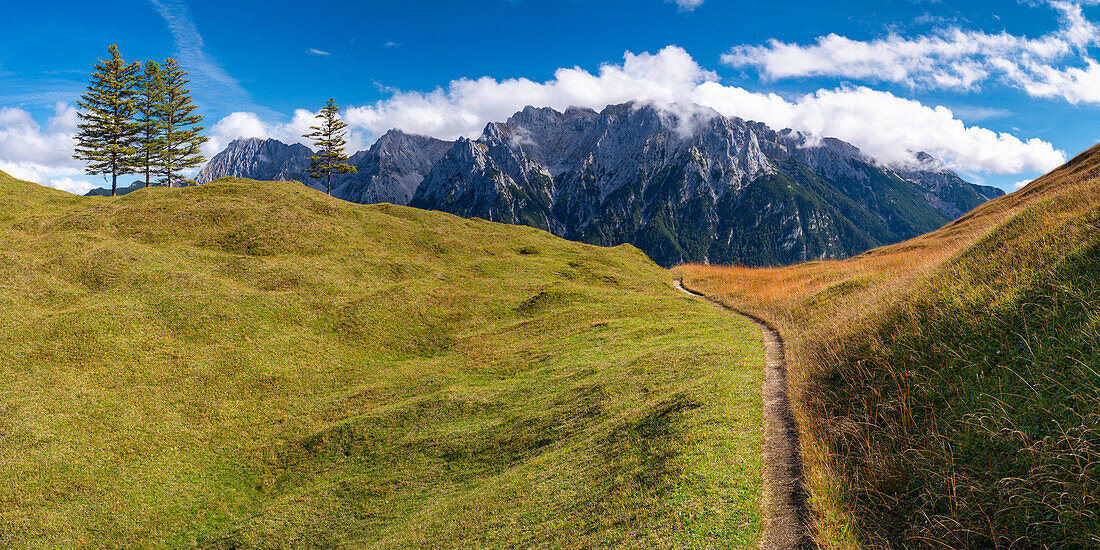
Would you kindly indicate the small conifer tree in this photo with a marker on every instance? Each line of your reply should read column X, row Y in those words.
column 328, row 139
column 182, row 137
column 107, row 129
column 150, row 102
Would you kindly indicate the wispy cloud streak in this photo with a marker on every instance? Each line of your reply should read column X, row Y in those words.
column 209, row 80
column 687, row 5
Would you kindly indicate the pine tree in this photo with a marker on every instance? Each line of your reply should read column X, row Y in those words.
column 328, row 138
column 107, row 129
column 181, row 133
column 150, row 102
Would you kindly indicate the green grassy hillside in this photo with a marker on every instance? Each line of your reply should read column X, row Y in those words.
column 950, row 385
column 257, row 365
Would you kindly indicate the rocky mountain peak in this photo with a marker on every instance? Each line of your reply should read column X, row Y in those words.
column 683, row 183
column 392, row 140
column 257, row 158
column 495, row 131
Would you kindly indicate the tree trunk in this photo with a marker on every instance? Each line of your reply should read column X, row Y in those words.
column 114, row 182
column 168, row 143
column 328, row 185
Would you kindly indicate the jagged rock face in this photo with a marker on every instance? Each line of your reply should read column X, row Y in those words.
column 682, row 184
column 694, row 186
column 390, row 170
column 489, row 179
column 944, row 189
column 260, row 159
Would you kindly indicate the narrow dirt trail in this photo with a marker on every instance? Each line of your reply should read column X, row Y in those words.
column 786, row 515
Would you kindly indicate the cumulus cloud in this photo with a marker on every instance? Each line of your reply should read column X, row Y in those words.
column 76, row 186
column 951, row 58
column 466, row 105
column 48, row 176
column 23, row 139
column 41, row 155
column 888, row 127
column 249, row 125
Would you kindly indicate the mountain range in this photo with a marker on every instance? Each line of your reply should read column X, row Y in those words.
column 683, row 185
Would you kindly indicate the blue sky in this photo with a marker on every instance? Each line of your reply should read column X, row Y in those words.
column 1017, row 79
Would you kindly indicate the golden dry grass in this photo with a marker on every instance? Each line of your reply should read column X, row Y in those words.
column 879, row 276
column 827, row 309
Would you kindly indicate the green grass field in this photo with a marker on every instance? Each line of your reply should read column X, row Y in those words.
column 257, row 365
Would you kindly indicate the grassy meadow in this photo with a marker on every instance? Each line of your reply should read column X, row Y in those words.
column 948, row 385
column 256, row 365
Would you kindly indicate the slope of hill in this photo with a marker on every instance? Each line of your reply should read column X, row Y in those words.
column 693, row 186
column 950, row 384
column 245, row 364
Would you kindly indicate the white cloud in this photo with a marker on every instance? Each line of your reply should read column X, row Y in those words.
column 974, row 113
column 249, row 125
column 315, row 51
column 884, row 125
column 40, row 174
column 466, row 105
column 240, row 124
column 1021, row 184
column 687, row 5
column 888, row 127
column 44, row 156
column 22, row 139
column 75, row 186
column 950, row 58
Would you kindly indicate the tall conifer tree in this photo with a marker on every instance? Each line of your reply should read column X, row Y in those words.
column 150, row 102
column 328, row 138
column 182, row 134
column 107, row 129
